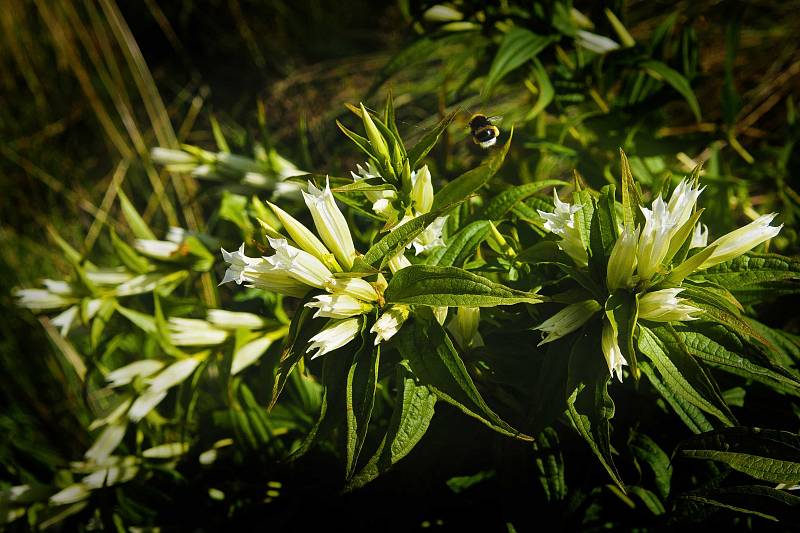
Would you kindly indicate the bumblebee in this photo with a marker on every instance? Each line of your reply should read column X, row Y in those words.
column 484, row 133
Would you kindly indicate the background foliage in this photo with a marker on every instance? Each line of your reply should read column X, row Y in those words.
column 91, row 87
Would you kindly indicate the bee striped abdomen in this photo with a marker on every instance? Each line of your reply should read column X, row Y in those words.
column 484, row 133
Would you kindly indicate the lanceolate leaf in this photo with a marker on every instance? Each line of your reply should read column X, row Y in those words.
column 550, row 465
column 461, row 245
column 472, row 180
column 632, row 215
column 757, row 500
column 451, row 286
column 751, row 269
column 681, row 374
column 360, row 397
column 400, row 237
column 674, row 78
column 435, row 362
column 413, row 411
column 693, row 417
column 504, row 202
column 294, row 347
column 429, row 140
column 519, row 45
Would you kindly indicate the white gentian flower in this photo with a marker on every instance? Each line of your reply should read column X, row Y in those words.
column 622, row 262
column 422, row 190
column 594, row 42
column 331, row 224
column 195, row 332
column 464, row 327
column 567, row 320
column 742, row 240
column 335, row 335
column 665, row 306
column 682, row 202
column 613, row 354
column 299, row 264
column 440, row 314
column 389, row 323
column 430, row 238
column 699, row 236
column 41, row 299
column 338, row 306
column 654, row 239
column 156, row 249
column 562, row 223
column 65, row 319
column 355, row 287
column 238, row 262
column 398, row 262
column 304, row 238
column 125, row 374
column 234, row 319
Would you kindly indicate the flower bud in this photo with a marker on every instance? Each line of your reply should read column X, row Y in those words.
column 611, row 351
column 335, row 335
column 389, row 323
column 355, row 287
column 464, row 327
column 338, row 306
column 567, row 320
column 422, row 190
column 331, row 224
column 622, row 262
column 304, row 238
column 665, row 306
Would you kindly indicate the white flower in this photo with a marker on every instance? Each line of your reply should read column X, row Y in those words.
column 335, row 335
column 430, row 238
column 299, row 264
column 125, row 374
column 260, row 273
column 389, row 323
column 304, row 237
column 699, row 236
column 398, row 262
column 355, row 287
column 195, row 332
column 622, row 262
column 234, row 320
column 422, row 190
column 567, row 320
column 41, row 299
column 338, row 306
column 65, row 319
column 464, row 327
column 611, row 351
column 156, row 249
column 595, row 43
column 331, row 224
column 562, row 223
column 654, row 239
column 681, row 203
column 665, row 306
column 238, row 262
column 742, row 240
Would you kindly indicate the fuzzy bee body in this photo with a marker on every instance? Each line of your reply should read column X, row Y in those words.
column 484, row 133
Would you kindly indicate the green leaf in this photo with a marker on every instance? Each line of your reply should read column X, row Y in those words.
column 631, row 200
column 504, row 202
column 361, row 142
column 604, row 224
column 649, row 499
column 716, row 345
column 622, row 309
column 436, row 363
column 546, row 91
column 757, row 500
column 461, row 245
column 451, row 286
column 418, row 152
column 233, row 208
column 681, row 373
column 519, row 45
column 645, row 449
column 693, row 417
column 768, row 455
column 466, row 184
column 129, row 257
column 583, row 219
column 138, row 226
column 589, row 406
column 751, row 269
column 399, row 237
column 360, row 397
column 550, row 465
column 412, row 414
column 662, row 72
column 294, row 347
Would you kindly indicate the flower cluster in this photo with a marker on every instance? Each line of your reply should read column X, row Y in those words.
column 644, row 261
column 304, row 262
